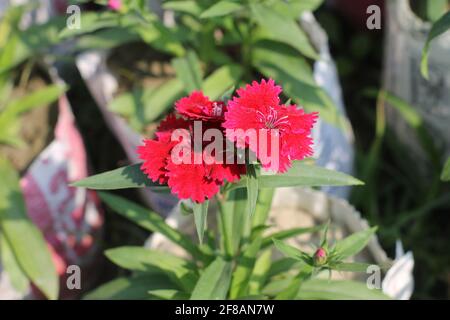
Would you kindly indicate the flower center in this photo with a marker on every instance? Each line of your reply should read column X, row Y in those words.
column 271, row 120
column 217, row 109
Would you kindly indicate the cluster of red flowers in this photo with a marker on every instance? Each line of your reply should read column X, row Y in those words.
column 256, row 107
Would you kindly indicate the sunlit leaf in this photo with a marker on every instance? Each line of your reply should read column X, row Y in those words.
column 200, row 218
column 221, row 8
column 121, row 178
column 214, row 281
column 179, row 270
column 445, row 176
column 354, row 243
column 149, row 220
column 24, row 238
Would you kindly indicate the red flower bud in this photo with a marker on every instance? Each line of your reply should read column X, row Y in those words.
column 320, row 257
column 115, row 4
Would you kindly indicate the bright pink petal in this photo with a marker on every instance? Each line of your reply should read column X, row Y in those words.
column 257, row 96
column 283, row 132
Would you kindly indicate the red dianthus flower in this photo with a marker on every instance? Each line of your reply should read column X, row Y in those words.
column 258, row 108
column 196, row 181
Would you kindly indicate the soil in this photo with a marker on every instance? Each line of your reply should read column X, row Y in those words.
column 36, row 129
column 136, row 65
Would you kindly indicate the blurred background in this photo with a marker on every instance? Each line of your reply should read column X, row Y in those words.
column 77, row 79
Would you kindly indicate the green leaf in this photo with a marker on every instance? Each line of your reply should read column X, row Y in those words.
column 282, row 29
column 221, row 80
column 93, row 21
column 232, row 220
column 168, row 294
column 292, row 290
column 24, row 238
column 350, row 266
column 179, row 270
column 338, row 290
column 291, row 252
column 277, row 285
column 302, row 174
column 149, row 220
column 354, row 243
column 227, row 95
column 200, row 217
column 35, row 40
column 106, row 39
column 244, row 268
column 283, row 265
column 289, row 233
column 189, row 71
column 252, row 189
column 130, row 288
column 429, row 10
column 294, row 8
column 439, row 27
column 149, row 104
column 214, row 281
column 186, row 207
column 12, row 268
column 221, row 8
column 414, row 119
column 158, row 36
column 188, row 6
column 263, row 205
column 260, row 272
column 38, row 98
column 121, row 178
column 324, row 236
column 445, row 176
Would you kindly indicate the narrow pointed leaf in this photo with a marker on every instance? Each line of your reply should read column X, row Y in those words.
column 12, row 268
column 244, row 269
column 351, row 267
column 445, row 176
column 289, row 233
column 338, row 290
column 189, row 71
column 121, row 178
column 130, row 288
column 252, row 189
column 260, row 272
column 24, row 238
column 200, row 217
column 232, row 220
column 282, row 29
column 169, row 294
column 149, row 220
column 302, row 174
column 214, row 281
column 179, row 270
column 221, row 8
column 354, row 243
